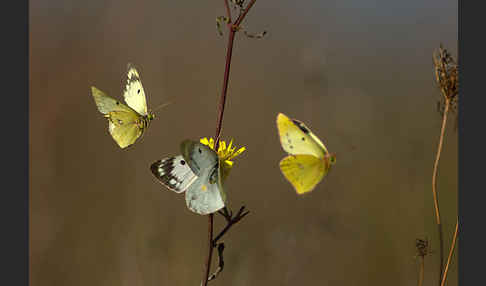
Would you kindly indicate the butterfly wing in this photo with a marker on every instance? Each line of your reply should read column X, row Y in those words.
column 106, row 104
column 206, row 194
column 304, row 172
column 174, row 173
column 296, row 138
column 123, row 122
column 124, row 129
column 203, row 196
column 199, row 156
column 134, row 94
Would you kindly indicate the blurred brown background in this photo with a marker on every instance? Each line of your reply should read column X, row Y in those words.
column 358, row 73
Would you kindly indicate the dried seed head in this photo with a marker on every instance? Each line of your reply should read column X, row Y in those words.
column 446, row 74
column 422, row 246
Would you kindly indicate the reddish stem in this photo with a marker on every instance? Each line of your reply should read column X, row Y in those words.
column 210, row 254
column 229, row 51
column 228, row 11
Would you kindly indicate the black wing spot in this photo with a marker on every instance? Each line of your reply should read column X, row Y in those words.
column 199, row 149
column 138, row 91
column 301, row 126
column 291, row 147
column 183, row 162
column 303, row 139
column 117, row 103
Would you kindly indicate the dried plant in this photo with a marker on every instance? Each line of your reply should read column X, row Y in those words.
column 446, row 75
column 423, row 248
column 451, row 251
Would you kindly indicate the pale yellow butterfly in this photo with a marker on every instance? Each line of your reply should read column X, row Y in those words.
column 126, row 123
column 308, row 160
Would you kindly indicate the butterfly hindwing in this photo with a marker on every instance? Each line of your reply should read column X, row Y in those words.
column 304, row 172
column 174, row 173
column 124, row 124
column 296, row 138
column 134, row 94
column 124, row 129
column 204, row 197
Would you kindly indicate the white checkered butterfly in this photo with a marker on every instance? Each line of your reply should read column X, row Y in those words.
column 197, row 172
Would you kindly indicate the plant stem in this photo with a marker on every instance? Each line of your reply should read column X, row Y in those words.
column 210, row 250
column 434, row 188
column 243, row 15
column 229, row 51
column 451, row 251
column 421, row 273
column 228, row 10
column 230, row 221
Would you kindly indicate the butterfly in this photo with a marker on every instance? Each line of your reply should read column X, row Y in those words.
column 197, row 171
column 308, row 160
column 126, row 123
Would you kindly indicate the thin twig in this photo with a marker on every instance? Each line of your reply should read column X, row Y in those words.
column 230, row 221
column 437, row 158
column 422, row 247
column 243, row 15
column 228, row 11
column 451, row 251
column 421, row 273
column 210, row 250
column 229, row 52
column 219, row 124
column 220, row 248
column 434, row 188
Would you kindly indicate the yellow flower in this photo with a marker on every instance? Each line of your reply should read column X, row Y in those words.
column 225, row 153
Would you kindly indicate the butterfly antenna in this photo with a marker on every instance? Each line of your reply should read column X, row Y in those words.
column 162, row 105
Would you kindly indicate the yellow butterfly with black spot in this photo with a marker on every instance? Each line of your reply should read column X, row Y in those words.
column 308, row 160
column 126, row 123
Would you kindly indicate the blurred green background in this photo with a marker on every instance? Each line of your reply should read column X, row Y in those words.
column 358, row 73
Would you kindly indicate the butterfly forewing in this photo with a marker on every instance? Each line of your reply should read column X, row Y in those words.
column 296, row 138
column 199, row 156
column 134, row 94
column 174, row 173
column 106, row 104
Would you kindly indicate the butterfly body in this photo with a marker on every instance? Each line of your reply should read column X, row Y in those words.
column 126, row 122
column 196, row 172
column 308, row 160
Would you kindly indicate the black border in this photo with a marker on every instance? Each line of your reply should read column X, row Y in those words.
column 14, row 211
column 471, row 108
